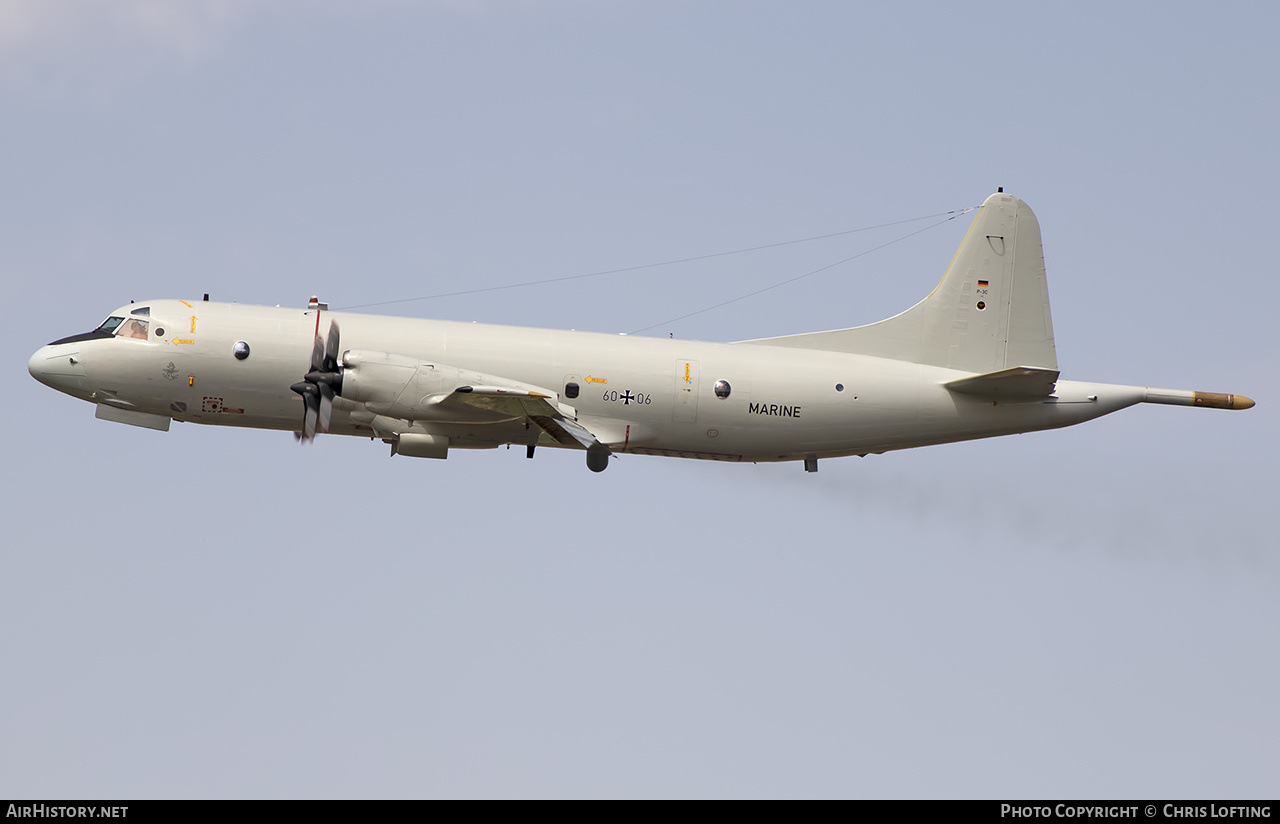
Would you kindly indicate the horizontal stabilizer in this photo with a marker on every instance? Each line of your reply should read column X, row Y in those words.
column 1018, row 382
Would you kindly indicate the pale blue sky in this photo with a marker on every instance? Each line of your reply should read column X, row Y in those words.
column 213, row 613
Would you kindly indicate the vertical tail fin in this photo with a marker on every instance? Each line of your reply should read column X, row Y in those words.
column 989, row 312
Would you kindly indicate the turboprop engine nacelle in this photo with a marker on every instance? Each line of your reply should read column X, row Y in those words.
column 395, row 385
column 412, row 390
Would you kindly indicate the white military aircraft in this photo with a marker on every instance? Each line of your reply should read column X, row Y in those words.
column 974, row 359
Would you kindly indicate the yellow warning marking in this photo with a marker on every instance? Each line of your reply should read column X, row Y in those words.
column 596, row 380
column 191, row 380
column 177, row 341
column 687, row 379
column 193, row 324
column 184, row 303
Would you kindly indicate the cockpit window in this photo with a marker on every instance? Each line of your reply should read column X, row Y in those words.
column 121, row 328
column 133, row 329
column 145, row 311
column 113, row 326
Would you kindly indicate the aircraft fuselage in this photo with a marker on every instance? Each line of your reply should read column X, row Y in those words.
column 636, row 394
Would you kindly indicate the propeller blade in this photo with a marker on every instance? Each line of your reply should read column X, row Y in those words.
column 317, row 355
column 331, row 348
column 322, row 382
column 326, row 407
column 310, row 417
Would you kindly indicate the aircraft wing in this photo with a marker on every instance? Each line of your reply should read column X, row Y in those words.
column 522, row 402
column 387, row 391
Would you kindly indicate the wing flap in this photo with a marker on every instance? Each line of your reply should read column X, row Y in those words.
column 565, row 431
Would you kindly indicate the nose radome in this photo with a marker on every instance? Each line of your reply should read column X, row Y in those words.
column 58, row 366
column 38, row 365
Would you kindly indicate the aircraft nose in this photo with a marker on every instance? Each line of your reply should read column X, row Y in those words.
column 60, row 367
column 38, row 366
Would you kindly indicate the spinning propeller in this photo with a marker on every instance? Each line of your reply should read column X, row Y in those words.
column 321, row 383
